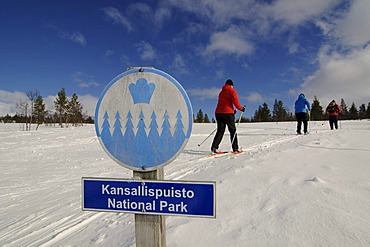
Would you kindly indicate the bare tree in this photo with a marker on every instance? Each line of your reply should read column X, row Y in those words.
column 32, row 96
column 22, row 107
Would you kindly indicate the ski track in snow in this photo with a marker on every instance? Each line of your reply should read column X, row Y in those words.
column 204, row 161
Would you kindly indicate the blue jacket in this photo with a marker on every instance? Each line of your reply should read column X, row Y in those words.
column 301, row 103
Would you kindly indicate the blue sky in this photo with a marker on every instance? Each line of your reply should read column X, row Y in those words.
column 270, row 49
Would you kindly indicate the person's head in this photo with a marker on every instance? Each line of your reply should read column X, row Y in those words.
column 301, row 95
column 229, row 82
column 332, row 102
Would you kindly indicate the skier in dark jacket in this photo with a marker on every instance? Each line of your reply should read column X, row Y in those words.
column 301, row 106
column 333, row 110
column 227, row 99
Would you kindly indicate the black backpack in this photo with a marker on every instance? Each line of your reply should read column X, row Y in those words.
column 332, row 108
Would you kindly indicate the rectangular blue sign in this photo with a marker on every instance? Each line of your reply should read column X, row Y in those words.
column 149, row 197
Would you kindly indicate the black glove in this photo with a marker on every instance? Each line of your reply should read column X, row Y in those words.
column 243, row 109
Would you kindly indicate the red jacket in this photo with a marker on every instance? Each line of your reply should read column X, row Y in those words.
column 227, row 99
column 333, row 109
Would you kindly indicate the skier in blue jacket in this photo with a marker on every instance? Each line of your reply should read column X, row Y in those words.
column 302, row 109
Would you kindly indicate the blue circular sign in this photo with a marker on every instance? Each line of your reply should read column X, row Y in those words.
column 143, row 119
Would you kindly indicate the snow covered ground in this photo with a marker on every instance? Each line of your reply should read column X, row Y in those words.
column 286, row 190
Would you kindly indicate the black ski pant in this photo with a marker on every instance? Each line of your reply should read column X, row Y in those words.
column 301, row 117
column 224, row 120
column 333, row 122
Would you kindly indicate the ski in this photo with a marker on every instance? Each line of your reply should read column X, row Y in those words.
column 212, row 155
column 219, row 154
column 235, row 153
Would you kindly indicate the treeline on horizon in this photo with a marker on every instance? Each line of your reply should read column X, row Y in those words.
column 280, row 113
column 65, row 111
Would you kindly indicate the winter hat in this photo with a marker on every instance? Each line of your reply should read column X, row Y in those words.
column 229, row 82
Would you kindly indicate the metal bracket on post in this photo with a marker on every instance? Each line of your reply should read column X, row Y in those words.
column 150, row 230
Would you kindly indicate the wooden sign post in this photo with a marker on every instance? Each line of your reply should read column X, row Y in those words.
column 150, row 230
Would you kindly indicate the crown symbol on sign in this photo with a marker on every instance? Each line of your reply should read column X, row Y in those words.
column 142, row 91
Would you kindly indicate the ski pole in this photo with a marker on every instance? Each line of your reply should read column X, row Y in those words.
column 207, row 137
column 309, row 122
column 240, row 118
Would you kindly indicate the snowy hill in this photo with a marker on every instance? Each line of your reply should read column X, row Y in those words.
column 286, row 190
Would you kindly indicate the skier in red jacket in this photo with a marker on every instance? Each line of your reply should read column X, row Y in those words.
column 227, row 99
column 333, row 110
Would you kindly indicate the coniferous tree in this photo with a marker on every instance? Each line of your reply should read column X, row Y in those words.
column 60, row 105
column 8, row 118
column 291, row 116
column 316, row 110
column 200, row 117
column 257, row 114
column 353, row 112
column 266, row 113
column 262, row 114
column 245, row 120
column 39, row 111
column 344, row 108
column 279, row 112
column 368, row 111
column 362, row 111
column 206, row 119
column 89, row 120
column 74, row 110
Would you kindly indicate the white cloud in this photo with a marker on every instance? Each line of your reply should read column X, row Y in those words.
column 8, row 101
column 219, row 73
column 218, row 12
column 341, row 76
column 89, row 103
column 295, row 12
column 255, row 97
column 161, row 15
column 108, row 53
column 144, row 11
column 75, row 37
column 204, row 93
column 343, row 73
column 113, row 14
column 179, row 64
column 84, row 80
column 353, row 28
column 231, row 41
column 78, row 38
column 146, row 50
column 88, row 84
